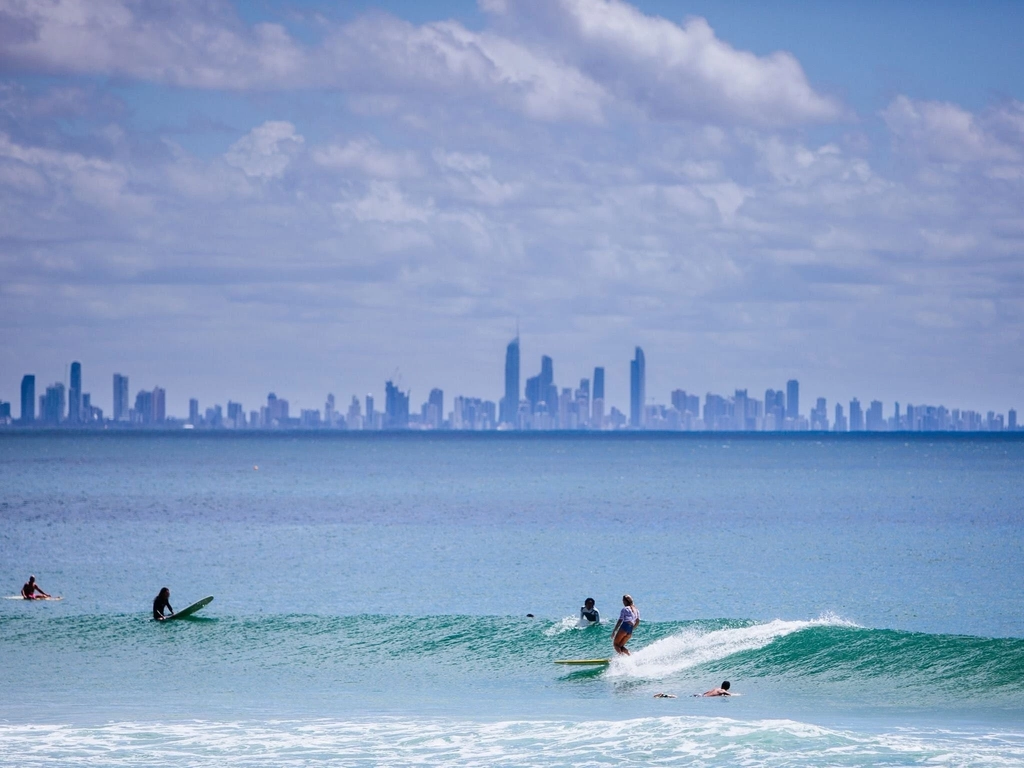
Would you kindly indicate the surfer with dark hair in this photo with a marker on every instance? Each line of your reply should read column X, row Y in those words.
column 32, row 591
column 629, row 618
column 722, row 691
column 589, row 612
column 161, row 602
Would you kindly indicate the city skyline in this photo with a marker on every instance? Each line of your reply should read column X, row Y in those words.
column 377, row 190
column 540, row 405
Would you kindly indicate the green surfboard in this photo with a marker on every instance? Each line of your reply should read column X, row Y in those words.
column 197, row 606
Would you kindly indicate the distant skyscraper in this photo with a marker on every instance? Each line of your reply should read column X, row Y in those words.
column 436, row 404
column 396, row 407
column 840, row 423
column 597, row 400
column 54, row 404
column 368, row 422
column 856, row 416
column 510, row 402
column 775, row 406
column 1011, row 420
column 637, row 389
column 144, row 407
column 193, row 412
column 739, row 410
column 819, row 416
column 548, row 390
column 28, row 399
column 541, row 388
column 159, row 405
column 354, row 418
column 75, row 394
column 599, row 383
column 792, row 399
column 875, row 420
column 121, row 406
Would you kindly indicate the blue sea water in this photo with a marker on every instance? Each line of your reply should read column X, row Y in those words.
column 863, row 594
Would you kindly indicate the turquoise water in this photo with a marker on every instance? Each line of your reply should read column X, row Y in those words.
column 862, row 594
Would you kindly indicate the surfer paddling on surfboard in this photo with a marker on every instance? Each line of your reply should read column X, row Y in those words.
column 629, row 619
column 32, row 591
column 161, row 602
column 721, row 691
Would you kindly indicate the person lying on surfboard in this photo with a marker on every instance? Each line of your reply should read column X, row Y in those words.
column 589, row 613
column 32, row 591
column 629, row 619
column 723, row 691
column 160, row 602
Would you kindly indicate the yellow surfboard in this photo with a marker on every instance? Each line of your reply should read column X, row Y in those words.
column 585, row 662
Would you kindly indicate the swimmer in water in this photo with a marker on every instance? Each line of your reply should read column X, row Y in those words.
column 589, row 613
column 629, row 619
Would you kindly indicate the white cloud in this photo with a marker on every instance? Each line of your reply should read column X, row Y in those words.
column 946, row 133
column 206, row 46
column 671, row 70
column 187, row 44
column 90, row 180
column 382, row 54
column 470, row 180
column 384, row 203
column 266, row 150
column 368, row 157
column 571, row 60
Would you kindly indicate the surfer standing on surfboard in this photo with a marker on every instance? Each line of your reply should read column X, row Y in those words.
column 32, row 591
column 629, row 619
column 160, row 602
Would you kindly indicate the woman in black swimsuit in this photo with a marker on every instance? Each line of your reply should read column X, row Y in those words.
column 161, row 602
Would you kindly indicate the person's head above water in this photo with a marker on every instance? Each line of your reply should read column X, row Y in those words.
column 164, row 592
column 588, row 603
column 725, row 685
column 627, row 600
column 31, row 579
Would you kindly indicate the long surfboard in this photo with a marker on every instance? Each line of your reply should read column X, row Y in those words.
column 197, row 606
column 33, row 599
column 585, row 662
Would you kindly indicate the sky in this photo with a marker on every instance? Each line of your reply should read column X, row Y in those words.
column 228, row 199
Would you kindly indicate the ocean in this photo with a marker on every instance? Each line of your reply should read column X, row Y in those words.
column 373, row 599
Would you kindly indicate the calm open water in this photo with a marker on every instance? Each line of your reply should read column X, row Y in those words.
column 862, row 593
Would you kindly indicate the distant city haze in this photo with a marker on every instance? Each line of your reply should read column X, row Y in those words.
column 539, row 406
column 225, row 200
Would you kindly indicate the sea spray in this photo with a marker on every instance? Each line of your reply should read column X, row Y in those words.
column 423, row 741
column 694, row 646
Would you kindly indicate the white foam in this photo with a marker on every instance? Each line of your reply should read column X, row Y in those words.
column 568, row 624
column 691, row 647
column 445, row 741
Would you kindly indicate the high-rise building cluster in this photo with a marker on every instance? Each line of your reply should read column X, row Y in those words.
column 538, row 406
